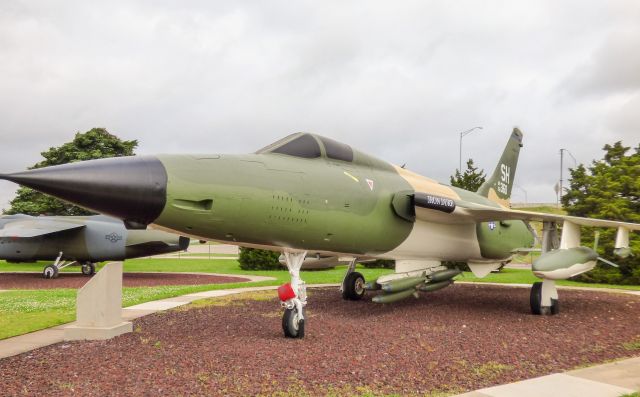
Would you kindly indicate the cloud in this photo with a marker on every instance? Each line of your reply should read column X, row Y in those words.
column 399, row 82
column 612, row 68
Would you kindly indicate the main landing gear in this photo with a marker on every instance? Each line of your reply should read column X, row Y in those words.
column 544, row 298
column 88, row 269
column 293, row 297
column 53, row 270
column 352, row 288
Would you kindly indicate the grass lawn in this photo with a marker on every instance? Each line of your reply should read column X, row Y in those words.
column 23, row 311
column 546, row 209
column 131, row 265
column 203, row 255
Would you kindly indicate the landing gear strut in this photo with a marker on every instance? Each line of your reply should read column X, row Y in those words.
column 544, row 298
column 52, row 271
column 293, row 297
column 353, row 283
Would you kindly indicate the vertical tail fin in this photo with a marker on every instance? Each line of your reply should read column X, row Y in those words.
column 498, row 187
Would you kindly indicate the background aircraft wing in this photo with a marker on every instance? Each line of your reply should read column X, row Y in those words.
column 28, row 228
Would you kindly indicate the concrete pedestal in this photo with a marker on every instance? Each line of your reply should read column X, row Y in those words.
column 99, row 307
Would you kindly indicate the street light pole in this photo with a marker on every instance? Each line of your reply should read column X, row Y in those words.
column 575, row 162
column 462, row 135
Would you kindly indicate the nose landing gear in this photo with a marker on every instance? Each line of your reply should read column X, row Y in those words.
column 293, row 297
column 53, row 270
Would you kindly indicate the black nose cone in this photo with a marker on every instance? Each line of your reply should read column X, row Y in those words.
column 130, row 188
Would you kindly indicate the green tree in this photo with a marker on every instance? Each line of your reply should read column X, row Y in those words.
column 471, row 179
column 609, row 189
column 94, row 144
column 257, row 259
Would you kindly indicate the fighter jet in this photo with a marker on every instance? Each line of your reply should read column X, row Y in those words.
column 308, row 194
column 79, row 240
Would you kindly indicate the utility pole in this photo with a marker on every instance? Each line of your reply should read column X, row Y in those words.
column 462, row 135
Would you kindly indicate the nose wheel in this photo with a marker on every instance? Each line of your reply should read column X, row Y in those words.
column 50, row 271
column 293, row 323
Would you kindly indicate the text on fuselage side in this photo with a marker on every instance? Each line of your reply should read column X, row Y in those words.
column 435, row 200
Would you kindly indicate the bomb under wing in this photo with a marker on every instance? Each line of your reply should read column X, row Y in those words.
column 397, row 289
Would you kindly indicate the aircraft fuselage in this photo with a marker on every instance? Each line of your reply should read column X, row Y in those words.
column 319, row 205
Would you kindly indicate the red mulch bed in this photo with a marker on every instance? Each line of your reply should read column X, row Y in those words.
column 75, row 280
column 461, row 338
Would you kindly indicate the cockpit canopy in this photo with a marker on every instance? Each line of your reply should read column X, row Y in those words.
column 310, row 146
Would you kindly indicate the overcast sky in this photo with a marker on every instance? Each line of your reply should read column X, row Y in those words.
column 396, row 79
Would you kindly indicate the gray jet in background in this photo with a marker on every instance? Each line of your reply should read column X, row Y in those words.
column 79, row 240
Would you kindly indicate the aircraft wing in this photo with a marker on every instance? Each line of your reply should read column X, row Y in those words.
column 438, row 209
column 499, row 214
column 28, row 228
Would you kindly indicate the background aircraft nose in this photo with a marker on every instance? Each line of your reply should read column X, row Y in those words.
column 130, row 188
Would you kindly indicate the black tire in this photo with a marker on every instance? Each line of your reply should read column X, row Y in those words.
column 535, row 299
column 291, row 325
column 353, row 288
column 50, row 271
column 555, row 306
column 88, row 269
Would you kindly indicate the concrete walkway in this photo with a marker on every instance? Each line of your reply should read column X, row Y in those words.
column 607, row 380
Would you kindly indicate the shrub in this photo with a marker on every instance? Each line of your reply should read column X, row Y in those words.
column 380, row 263
column 457, row 265
column 257, row 259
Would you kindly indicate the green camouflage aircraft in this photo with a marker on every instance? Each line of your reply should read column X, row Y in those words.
column 307, row 194
column 79, row 240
